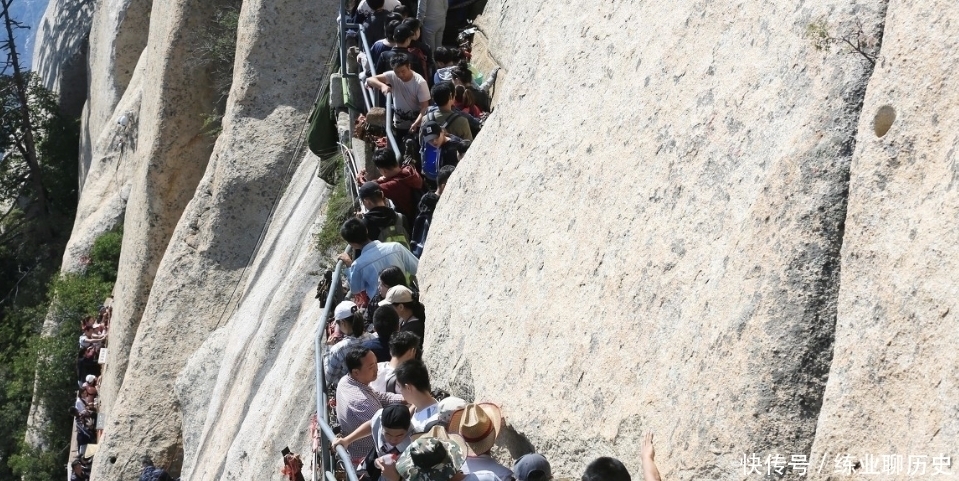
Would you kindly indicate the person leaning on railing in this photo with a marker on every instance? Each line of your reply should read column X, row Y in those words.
column 411, row 95
column 350, row 322
column 401, row 184
column 356, row 401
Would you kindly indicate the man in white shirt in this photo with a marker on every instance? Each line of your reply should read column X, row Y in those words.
column 411, row 95
column 403, row 347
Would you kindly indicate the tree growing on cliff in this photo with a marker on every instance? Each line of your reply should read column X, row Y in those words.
column 38, row 162
column 23, row 137
column 39, row 149
column 855, row 40
column 215, row 51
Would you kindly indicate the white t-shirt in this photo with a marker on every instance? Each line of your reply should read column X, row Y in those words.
column 407, row 96
column 486, row 462
column 482, row 476
column 423, row 417
column 383, row 371
column 388, row 5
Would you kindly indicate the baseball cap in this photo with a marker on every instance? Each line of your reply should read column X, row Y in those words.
column 448, row 406
column 431, row 130
column 370, row 190
column 532, row 464
column 396, row 295
column 344, row 310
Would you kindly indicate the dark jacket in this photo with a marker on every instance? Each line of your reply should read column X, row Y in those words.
column 421, row 226
column 451, row 149
column 375, row 27
column 378, row 218
column 404, row 190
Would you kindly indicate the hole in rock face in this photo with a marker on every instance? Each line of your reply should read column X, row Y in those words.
column 885, row 116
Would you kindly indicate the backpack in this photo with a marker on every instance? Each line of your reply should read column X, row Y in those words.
column 420, row 230
column 395, row 232
column 431, row 160
column 475, row 124
column 391, row 382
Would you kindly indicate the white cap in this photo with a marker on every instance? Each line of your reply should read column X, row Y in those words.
column 91, row 379
column 448, row 406
column 344, row 310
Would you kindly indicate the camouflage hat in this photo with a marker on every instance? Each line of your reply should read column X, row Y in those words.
column 430, row 459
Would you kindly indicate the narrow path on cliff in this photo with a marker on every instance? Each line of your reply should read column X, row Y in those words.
column 434, row 101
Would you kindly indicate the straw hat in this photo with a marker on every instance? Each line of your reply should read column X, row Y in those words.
column 478, row 425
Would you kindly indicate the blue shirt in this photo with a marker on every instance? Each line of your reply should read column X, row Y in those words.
column 364, row 274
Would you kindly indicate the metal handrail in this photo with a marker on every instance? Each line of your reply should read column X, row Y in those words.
column 389, row 126
column 367, row 100
column 366, row 48
column 369, row 61
column 327, row 436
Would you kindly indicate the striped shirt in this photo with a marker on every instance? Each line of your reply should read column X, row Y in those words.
column 333, row 364
column 356, row 403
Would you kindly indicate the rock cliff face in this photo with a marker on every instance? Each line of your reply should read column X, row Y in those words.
column 648, row 236
column 893, row 388
column 204, row 250
column 144, row 118
column 681, row 218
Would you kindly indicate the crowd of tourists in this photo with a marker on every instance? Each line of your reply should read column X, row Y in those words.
column 390, row 418
column 93, row 338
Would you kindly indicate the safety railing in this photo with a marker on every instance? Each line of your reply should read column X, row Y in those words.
column 351, row 170
column 326, row 432
column 389, row 126
column 368, row 96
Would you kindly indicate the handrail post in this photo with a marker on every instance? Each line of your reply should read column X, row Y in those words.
column 389, row 126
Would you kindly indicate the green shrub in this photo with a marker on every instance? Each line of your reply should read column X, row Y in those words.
column 338, row 209
column 46, row 368
column 215, row 51
column 105, row 256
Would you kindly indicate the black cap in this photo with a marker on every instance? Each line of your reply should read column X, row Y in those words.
column 370, row 190
column 431, row 130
